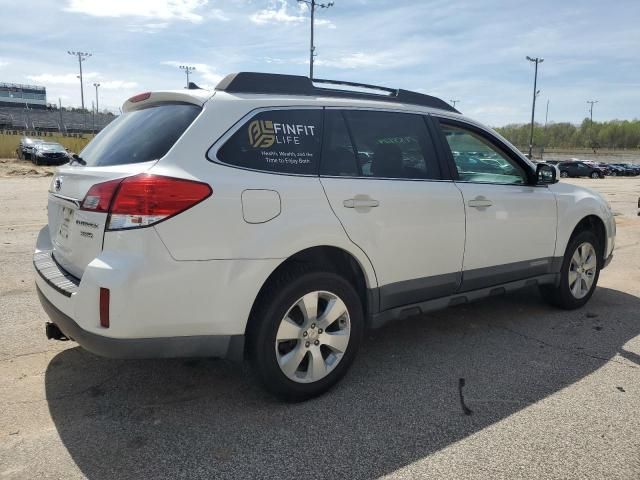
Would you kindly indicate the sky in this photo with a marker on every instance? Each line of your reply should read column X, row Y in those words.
column 468, row 50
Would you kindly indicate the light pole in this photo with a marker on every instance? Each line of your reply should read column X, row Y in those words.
column 544, row 136
column 312, row 6
column 591, row 104
column 453, row 102
column 82, row 56
column 187, row 69
column 97, row 104
column 536, row 60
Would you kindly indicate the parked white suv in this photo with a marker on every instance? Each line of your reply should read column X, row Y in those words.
column 279, row 219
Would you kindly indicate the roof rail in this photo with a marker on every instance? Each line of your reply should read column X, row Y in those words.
column 275, row 83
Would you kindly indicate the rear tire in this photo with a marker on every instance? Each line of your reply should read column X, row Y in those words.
column 595, row 175
column 579, row 273
column 564, row 174
column 292, row 354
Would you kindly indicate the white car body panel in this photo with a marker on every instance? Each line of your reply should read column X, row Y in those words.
column 417, row 227
column 519, row 225
column 576, row 203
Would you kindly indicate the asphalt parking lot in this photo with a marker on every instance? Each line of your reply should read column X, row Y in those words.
column 504, row 388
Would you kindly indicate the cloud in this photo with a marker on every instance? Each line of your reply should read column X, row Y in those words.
column 71, row 79
column 3, row 63
column 380, row 59
column 278, row 13
column 60, row 79
column 117, row 84
column 148, row 27
column 186, row 10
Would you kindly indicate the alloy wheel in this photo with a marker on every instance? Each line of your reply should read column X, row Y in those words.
column 582, row 270
column 313, row 337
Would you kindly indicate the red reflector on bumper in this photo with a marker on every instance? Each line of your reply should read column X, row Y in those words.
column 104, row 307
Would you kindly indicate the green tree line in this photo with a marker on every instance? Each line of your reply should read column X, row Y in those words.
column 614, row 134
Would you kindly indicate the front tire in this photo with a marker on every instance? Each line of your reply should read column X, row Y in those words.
column 304, row 333
column 579, row 273
column 595, row 175
column 564, row 174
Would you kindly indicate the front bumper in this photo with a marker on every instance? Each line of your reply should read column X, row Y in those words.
column 223, row 346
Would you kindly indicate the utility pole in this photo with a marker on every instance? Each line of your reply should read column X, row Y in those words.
column 544, row 136
column 187, row 69
column 312, row 7
column 82, row 56
column 453, row 102
column 60, row 110
column 591, row 104
column 536, row 60
column 97, row 85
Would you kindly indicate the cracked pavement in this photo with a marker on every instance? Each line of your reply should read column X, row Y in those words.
column 549, row 393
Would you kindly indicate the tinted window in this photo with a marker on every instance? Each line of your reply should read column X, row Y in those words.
column 392, row 145
column 140, row 136
column 338, row 156
column 286, row 141
column 478, row 160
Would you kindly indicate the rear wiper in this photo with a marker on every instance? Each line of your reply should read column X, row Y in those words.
column 76, row 158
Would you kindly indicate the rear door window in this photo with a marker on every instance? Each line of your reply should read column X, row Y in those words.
column 338, row 154
column 140, row 135
column 384, row 144
column 279, row 141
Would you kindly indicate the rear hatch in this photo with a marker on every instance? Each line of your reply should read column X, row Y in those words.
column 129, row 145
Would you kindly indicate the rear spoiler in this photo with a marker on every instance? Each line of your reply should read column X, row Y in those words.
column 142, row 100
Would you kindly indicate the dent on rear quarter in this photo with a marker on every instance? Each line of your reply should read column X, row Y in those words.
column 574, row 204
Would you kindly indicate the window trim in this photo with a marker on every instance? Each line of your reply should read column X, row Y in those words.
column 218, row 144
column 494, row 141
column 444, row 173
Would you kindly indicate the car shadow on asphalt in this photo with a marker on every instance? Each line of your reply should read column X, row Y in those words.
column 417, row 386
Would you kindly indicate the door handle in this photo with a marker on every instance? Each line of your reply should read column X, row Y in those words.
column 480, row 202
column 360, row 202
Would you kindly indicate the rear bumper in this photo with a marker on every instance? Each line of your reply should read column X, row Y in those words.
column 223, row 346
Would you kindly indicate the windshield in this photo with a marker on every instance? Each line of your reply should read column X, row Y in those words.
column 51, row 147
column 140, row 136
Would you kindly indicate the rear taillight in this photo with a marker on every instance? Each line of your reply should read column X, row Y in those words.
column 98, row 198
column 144, row 199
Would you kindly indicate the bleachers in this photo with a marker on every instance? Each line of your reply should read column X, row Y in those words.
column 52, row 120
column 5, row 121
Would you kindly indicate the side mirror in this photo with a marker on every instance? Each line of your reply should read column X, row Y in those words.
column 546, row 174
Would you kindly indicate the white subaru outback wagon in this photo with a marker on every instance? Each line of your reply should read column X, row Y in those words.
column 277, row 218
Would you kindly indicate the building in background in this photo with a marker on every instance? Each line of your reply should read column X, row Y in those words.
column 26, row 96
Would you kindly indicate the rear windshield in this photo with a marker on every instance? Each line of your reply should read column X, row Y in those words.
column 139, row 136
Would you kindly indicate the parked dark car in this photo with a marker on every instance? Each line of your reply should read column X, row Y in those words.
column 616, row 170
column 629, row 169
column 25, row 147
column 49, row 153
column 580, row 169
